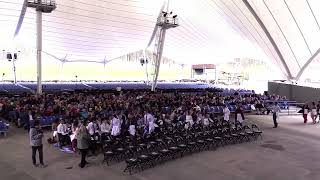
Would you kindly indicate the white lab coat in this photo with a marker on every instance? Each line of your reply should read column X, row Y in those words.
column 115, row 131
column 189, row 120
column 239, row 118
column 206, row 121
column 226, row 114
column 149, row 121
column 132, row 130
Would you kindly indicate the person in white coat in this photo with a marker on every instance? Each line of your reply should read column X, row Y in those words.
column 149, row 122
column 206, row 120
column 226, row 113
column 116, row 125
column 189, row 121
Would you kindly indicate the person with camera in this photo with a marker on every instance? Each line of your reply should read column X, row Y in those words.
column 36, row 136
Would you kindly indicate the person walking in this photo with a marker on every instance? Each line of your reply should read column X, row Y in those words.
column 83, row 139
column 36, row 136
column 305, row 111
column 239, row 116
column 275, row 114
column 314, row 113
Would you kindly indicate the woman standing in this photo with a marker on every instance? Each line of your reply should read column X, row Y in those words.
column 83, row 139
column 314, row 112
column 239, row 116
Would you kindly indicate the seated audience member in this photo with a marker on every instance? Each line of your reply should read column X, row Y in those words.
column 116, row 125
column 149, row 122
column 189, row 121
column 105, row 129
column 93, row 130
column 63, row 135
column 206, row 120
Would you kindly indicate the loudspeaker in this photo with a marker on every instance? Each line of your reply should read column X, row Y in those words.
column 199, row 71
column 9, row 56
column 15, row 56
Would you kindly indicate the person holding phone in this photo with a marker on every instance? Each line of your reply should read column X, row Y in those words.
column 36, row 136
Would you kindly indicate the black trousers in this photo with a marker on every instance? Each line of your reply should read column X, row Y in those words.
column 63, row 140
column 275, row 120
column 84, row 153
column 34, row 151
column 93, row 146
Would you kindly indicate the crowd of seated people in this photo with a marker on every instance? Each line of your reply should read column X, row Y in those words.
column 71, row 106
column 129, row 106
column 108, row 116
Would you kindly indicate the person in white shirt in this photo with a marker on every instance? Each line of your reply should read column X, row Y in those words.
column 93, row 127
column 275, row 110
column 226, row 113
column 62, row 131
column 105, row 129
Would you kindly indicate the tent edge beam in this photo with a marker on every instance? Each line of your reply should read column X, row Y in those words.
column 247, row 4
column 304, row 67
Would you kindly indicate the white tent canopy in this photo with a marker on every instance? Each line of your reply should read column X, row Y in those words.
column 210, row 30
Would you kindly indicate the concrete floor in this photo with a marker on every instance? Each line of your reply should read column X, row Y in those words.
column 287, row 153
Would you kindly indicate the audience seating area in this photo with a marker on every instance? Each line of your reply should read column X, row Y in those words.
column 173, row 142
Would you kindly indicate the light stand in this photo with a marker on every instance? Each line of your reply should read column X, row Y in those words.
column 165, row 21
column 41, row 6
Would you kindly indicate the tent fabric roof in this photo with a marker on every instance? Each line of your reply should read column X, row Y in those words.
column 209, row 31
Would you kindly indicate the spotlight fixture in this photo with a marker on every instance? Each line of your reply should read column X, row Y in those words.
column 142, row 62
column 165, row 14
column 174, row 16
column 171, row 12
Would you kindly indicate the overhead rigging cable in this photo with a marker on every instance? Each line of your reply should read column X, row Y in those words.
column 95, row 18
column 242, row 23
column 235, row 28
column 68, row 18
column 282, row 33
column 74, row 39
column 116, row 9
column 78, row 26
column 104, row 13
column 84, row 34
